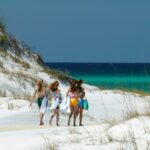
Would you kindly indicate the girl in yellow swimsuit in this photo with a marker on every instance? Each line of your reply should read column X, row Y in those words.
column 73, row 94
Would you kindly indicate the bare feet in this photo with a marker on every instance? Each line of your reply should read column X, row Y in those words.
column 81, row 125
column 41, row 123
column 68, row 123
column 50, row 122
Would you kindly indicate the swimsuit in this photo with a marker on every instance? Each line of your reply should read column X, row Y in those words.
column 81, row 103
column 73, row 102
column 39, row 101
column 73, row 99
column 81, row 100
column 56, row 97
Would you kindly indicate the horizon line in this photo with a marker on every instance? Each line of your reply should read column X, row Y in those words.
column 101, row 62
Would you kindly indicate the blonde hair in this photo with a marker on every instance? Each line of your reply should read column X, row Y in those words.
column 40, row 85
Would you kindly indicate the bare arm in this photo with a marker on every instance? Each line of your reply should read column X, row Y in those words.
column 33, row 97
column 44, row 92
column 50, row 95
column 83, row 93
column 58, row 92
column 68, row 93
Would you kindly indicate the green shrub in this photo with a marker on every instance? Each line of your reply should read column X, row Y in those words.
column 25, row 65
column 19, row 61
column 4, row 41
column 3, row 52
column 14, row 42
column 38, row 59
column 63, row 76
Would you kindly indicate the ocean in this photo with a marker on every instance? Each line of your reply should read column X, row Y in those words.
column 123, row 76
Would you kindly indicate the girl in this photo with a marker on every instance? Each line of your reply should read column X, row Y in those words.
column 55, row 93
column 40, row 93
column 81, row 95
column 73, row 94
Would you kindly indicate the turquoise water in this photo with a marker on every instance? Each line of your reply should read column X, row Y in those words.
column 139, row 83
column 133, row 77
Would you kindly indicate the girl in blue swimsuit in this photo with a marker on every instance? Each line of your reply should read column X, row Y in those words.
column 81, row 95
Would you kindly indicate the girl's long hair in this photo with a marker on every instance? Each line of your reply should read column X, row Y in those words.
column 74, row 86
column 40, row 86
column 54, row 86
column 79, row 87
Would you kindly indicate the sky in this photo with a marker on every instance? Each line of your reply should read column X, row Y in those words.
column 81, row 30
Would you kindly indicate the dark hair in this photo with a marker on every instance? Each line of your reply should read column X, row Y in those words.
column 54, row 86
column 79, row 85
column 73, row 82
column 80, row 81
column 74, row 85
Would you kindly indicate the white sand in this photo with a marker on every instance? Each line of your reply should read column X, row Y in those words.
column 20, row 130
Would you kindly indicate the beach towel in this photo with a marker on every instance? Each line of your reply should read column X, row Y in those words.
column 44, row 105
column 55, row 103
column 65, row 103
column 86, row 104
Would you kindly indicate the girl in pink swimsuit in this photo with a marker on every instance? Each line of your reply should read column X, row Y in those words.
column 73, row 94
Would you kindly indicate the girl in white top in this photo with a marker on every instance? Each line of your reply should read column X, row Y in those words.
column 55, row 94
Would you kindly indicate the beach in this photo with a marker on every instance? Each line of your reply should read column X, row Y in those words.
column 106, row 124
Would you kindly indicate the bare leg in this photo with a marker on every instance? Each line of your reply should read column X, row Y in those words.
column 75, row 114
column 41, row 118
column 52, row 116
column 57, row 117
column 81, row 116
column 71, row 113
column 78, row 110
